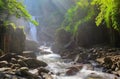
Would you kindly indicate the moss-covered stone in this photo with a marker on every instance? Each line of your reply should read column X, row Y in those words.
column 12, row 39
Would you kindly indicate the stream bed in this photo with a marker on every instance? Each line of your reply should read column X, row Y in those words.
column 59, row 67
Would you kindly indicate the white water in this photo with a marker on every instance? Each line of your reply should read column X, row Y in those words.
column 33, row 31
column 46, row 49
column 57, row 65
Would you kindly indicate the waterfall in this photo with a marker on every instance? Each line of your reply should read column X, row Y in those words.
column 32, row 31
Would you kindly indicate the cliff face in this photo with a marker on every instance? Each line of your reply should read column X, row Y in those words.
column 11, row 39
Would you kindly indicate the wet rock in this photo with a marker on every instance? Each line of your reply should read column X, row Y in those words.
column 43, row 73
column 4, row 69
column 73, row 70
column 42, row 70
column 47, row 76
column 2, row 75
column 117, row 73
column 14, row 61
column 15, row 66
column 23, row 72
column 29, row 54
column 22, row 63
column 110, row 63
column 12, row 38
column 28, row 75
column 3, row 64
column 31, row 45
column 112, row 50
column 24, row 69
column 34, row 63
column 44, row 52
column 7, row 57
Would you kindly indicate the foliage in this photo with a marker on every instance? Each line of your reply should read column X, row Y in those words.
column 78, row 14
column 13, row 7
column 105, row 11
column 109, row 12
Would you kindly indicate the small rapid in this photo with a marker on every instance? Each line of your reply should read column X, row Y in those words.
column 59, row 67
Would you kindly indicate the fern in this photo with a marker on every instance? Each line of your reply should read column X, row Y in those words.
column 109, row 12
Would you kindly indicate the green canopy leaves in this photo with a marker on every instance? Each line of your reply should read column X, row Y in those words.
column 109, row 12
column 13, row 7
column 78, row 14
column 99, row 11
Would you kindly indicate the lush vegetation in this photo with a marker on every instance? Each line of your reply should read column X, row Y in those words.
column 102, row 12
column 109, row 12
column 16, row 8
column 105, row 11
column 78, row 14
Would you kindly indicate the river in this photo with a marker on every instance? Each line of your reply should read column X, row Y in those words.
column 59, row 66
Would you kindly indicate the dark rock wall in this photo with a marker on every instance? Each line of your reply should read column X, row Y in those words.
column 89, row 35
column 11, row 39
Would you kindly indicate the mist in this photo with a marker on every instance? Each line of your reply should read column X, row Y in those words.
column 49, row 14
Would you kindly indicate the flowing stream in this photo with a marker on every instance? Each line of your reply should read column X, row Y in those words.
column 58, row 65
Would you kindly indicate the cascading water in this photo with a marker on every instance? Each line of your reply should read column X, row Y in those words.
column 57, row 65
column 33, row 31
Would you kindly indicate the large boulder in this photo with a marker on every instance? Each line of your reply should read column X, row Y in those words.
column 29, row 54
column 31, row 45
column 7, row 57
column 63, row 40
column 33, row 63
column 12, row 39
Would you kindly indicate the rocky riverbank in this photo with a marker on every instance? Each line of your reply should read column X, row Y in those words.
column 14, row 66
column 105, row 58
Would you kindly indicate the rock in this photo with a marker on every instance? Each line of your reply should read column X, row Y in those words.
column 117, row 73
column 29, row 54
column 3, row 64
column 42, row 70
column 4, row 69
column 2, row 75
column 22, row 63
column 47, row 76
column 12, row 39
column 21, row 57
column 14, row 61
column 34, row 63
column 17, row 44
column 23, row 72
column 24, row 69
column 61, row 40
column 73, row 70
column 15, row 66
column 31, row 45
column 112, row 50
column 107, row 60
column 7, row 57
column 44, row 52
